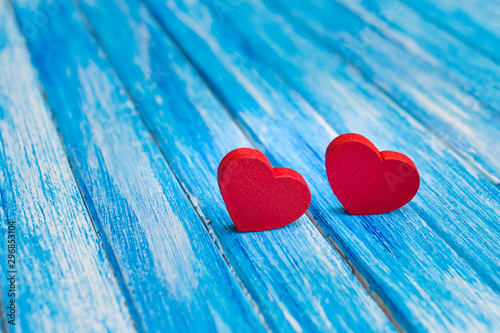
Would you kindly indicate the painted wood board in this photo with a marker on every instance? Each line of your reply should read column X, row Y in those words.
column 476, row 22
column 473, row 71
column 400, row 255
column 295, row 276
column 63, row 282
column 348, row 108
column 439, row 103
column 175, row 277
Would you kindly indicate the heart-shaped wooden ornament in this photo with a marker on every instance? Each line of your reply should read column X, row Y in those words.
column 257, row 196
column 368, row 181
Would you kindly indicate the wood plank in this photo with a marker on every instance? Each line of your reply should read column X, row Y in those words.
column 476, row 21
column 176, row 277
column 296, row 277
column 416, row 85
column 426, row 284
column 64, row 282
column 474, row 72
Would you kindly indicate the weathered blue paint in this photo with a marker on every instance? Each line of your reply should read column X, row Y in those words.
column 64, row 281
column 474, row 72
column 425, row 283
column 176, row 277
column 474, row 242
column 475, row 21
column 413, row 82
column 320, row 92
column 435, row 263
column 295, row 276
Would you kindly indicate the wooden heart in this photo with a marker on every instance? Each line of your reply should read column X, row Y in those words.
column 257, row 196
column 367, row 181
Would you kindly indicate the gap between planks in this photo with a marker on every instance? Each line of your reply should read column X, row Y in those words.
column 364, row 282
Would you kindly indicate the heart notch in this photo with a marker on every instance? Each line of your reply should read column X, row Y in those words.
column 368, row 181
column 259, row 197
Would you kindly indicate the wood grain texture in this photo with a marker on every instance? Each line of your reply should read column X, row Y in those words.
column 476, row 21
column 474, row 72
column 412, row 81
column 400, row 255
column 64, row 281
column 296, row 278
column 176, row 278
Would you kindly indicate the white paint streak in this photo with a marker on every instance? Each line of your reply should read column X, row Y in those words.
column 122, row 149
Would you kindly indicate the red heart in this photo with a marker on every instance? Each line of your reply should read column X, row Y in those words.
column 257, row 196
column 368, row 181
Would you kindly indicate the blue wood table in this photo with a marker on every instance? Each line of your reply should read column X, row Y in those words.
column 114, row 116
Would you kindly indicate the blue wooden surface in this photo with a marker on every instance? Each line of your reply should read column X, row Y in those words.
column 296, row 136
column 464, row 64
column 132, row 234
column 167, row 262
column 475, row 21
column 272, row 265
column 440, row 164
column 457, row 117
column 61, row 268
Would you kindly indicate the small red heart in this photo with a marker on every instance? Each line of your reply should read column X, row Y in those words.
column 257, row 196
column 368, row 181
